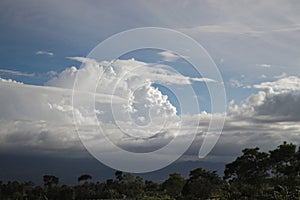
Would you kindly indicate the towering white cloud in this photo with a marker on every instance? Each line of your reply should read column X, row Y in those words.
column 39, row 118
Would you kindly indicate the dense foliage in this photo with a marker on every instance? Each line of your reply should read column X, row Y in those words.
column 253, row 175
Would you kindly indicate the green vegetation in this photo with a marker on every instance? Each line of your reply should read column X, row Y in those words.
column 253, row 175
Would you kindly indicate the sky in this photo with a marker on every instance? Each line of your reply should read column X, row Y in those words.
column 44, row 48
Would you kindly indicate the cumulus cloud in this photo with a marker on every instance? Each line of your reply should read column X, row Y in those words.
column 29, row 121
column 9, row 81
column 291, row 83
column 48, row 110
column 39, row 118
column 235, row 83
column 127, row 72
column 264, row 119
column 278, row 101
column 64, row 79
column 142, row 119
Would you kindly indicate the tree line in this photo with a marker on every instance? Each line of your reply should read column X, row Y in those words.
column 273, row 175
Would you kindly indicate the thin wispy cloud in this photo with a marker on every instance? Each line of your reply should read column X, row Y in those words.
column 238, row 29
column 15, row 73
column 282, row 75
column 170, row 57
column 48, row 53
column 264, row 65
column 291, row 28
column 235, row 29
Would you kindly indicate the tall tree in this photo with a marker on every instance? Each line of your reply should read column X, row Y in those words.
column 84, row 177
column 174, row 185
column 248, row 173
column 202, row 184
column 50, row 180
column 284, row 162
column 119, row 175
column 252, row 167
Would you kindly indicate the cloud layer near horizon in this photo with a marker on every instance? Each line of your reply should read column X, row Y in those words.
column 39, row 119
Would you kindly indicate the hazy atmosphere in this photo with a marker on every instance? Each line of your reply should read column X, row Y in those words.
column 145, row 98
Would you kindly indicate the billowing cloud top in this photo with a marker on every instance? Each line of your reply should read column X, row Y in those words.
column 39, row 118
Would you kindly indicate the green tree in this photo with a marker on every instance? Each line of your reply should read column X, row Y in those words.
column 284, row 162
column 132, row 187
column 174, row 185
column 202, row 184
column 248, row 173
column 84, row 177
column 252, row 167
column 66, row 192
column 119, row 175
column 111, row 190
column 50, row 180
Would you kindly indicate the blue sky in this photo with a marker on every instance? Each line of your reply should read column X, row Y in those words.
column 255, row 45
column 241, row 37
